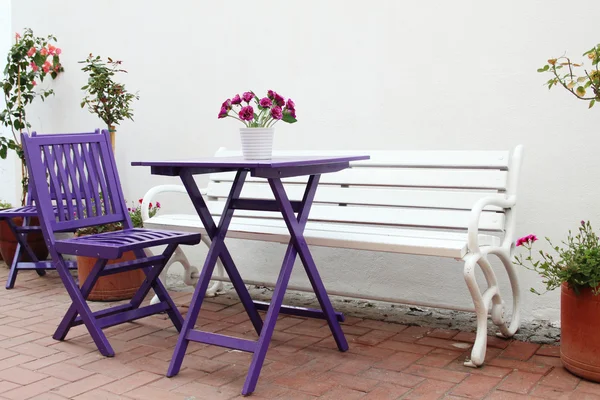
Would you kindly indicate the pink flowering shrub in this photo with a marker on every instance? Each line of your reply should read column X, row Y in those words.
column 30, row 60
column 577, row 264
column 269, row 109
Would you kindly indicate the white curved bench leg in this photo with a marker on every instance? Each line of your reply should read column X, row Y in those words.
column 490, row 296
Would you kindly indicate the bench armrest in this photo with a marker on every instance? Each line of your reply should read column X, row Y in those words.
column 506, row 203
column 147, row 199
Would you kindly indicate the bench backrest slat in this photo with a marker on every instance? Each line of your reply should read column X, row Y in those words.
column 428, row 189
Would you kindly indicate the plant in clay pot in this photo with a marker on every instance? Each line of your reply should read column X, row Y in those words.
column 258, row 131
column 584, row 86
column 30, row 60
column 575, row 268
column 105, row 97
column 122, row 285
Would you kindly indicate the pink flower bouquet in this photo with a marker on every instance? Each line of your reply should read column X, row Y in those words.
column 269, row 109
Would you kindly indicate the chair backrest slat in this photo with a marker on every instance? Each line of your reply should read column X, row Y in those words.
column 99, row 173
column 56, row 184
column 72, row 178
column 93, row 181
column 91, row 208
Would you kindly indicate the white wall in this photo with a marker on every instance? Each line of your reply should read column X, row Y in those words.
column 9, row 170
column 364, row 75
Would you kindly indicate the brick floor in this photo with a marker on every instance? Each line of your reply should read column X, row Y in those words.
column 385, row 361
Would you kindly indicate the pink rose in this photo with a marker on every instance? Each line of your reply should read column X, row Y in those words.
column 157, row 204
column 236, row 99
column 290, row 104
column 31, row 52
column 247, row 97
column 51, row 49
column 223, row 113
column 279, row 100
column 246, row 113
column 265, row 102
column 270, row 94
column 276, row 113
column 46, row 67
column 44, row 51
column 226, row 104
column 34, row 66
column 57, row 51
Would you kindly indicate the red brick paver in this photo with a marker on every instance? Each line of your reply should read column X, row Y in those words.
column 385, row 361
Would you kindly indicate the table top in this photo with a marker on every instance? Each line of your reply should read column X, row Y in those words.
column 241, row 163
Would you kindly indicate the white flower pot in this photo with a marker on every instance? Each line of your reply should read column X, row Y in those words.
column 257, row 143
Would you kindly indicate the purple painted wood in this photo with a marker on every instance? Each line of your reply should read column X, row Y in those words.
column 298, row 311
column 78, row 173
column 273, row 170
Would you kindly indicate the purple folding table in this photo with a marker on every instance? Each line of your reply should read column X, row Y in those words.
column 295, row 215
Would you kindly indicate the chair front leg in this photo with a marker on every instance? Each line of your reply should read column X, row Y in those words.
column 79, row 306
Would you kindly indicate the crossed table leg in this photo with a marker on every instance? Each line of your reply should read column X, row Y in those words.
column 296, row 246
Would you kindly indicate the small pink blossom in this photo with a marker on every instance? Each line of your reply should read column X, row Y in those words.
column 276, row 112
column 265, row 102
column 270, row 94
column 34, row 67
column 51, row 49
column 57, row 51
column 44, row 51
column 226, row 104
column 149, row 205
column 46, row 67
column 290, row 104
column 279, row 100
column 31, row 52
column 236, row 99
column 17, row 36
column 526, row 240
column 157, row 204
column 33, row 83
column 246, row 113
column 247, row 97
column 141, row 200
column 223, row 113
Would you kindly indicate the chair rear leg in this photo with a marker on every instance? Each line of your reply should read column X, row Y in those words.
column 152, row 281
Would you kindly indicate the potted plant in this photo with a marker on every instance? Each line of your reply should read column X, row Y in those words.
column 30, row 60
column 105, row 97
column 575, row 268
column 584, row 86
column 258, row 131
column 122, row 285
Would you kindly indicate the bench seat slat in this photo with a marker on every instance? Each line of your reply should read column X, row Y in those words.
column 375, row 196
column 438, row 243
column 479, row 159
column 391, row 216
column 389, row 177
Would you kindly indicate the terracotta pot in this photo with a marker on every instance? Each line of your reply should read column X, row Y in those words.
column 579, row 339
column 114, row 287
column 8, row 242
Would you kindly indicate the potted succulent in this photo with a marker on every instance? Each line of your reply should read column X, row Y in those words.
column 122, row 285
column 575, row 268
column 585, row 86
column 257, row 134
column 30, row 60
column 105, row 97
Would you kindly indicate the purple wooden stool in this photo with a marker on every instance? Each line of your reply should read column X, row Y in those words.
column 273, row 170
column 75, row 184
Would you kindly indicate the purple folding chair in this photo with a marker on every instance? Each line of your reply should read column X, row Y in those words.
column 20, row 232
column 79, row 172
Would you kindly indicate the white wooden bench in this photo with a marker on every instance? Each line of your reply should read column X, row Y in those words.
column 457, row 204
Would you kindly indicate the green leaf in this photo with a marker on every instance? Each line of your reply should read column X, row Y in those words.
column 288, row 118
column 592, row 102
column 580, row 91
